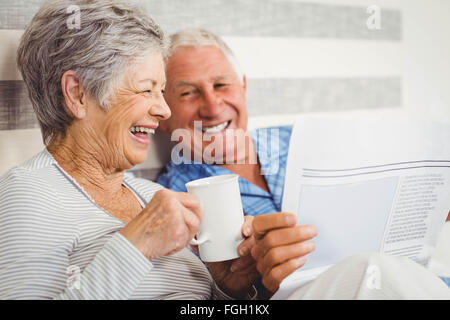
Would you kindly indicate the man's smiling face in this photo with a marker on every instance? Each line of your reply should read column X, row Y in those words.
column 203, row 86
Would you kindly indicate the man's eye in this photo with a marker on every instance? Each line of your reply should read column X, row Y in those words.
column 219, row 85
column 184, row 94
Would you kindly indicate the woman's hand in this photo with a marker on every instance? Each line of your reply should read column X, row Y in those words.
column 165, row 225
column 280, row 246
column 236, row 277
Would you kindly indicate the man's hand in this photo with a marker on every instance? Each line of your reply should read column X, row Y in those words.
column 236, row 277
column 280, row 246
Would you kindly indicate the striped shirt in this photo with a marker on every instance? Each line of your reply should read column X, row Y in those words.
column 272, row 145
column 56, row 243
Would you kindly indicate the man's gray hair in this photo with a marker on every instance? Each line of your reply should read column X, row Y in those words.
column 197, row 38
column 110, row 38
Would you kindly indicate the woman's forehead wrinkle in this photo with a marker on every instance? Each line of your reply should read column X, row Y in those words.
column 126, row 84
column 148, row 80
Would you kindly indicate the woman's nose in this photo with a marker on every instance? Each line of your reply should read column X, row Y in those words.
column 160, row 110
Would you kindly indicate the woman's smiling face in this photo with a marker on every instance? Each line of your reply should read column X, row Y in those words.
column 136, row 109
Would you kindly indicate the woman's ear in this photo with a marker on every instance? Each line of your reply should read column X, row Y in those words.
column 74, row 95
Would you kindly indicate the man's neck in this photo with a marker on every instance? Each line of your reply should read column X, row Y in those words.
column 248, row 167
column 250, row 172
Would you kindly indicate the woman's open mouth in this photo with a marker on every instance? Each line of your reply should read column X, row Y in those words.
column 141, row 134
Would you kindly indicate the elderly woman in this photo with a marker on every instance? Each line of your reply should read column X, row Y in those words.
column 74, row 224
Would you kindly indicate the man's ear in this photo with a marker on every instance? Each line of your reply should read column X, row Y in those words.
column 74, row 94
column 244, row 83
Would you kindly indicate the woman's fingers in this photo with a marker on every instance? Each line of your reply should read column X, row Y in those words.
column 189, row 207
column 165, row 225
column 189, row 201
column 192, row 221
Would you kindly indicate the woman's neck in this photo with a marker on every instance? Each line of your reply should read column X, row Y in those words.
column 103, row 183
column 86, row 167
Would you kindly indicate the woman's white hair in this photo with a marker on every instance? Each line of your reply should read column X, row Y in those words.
column 194, row 37
column 111, row 36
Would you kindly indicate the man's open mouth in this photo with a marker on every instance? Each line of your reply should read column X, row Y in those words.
column 216, row 129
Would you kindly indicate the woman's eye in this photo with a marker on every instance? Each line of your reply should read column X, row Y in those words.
column 147, row 92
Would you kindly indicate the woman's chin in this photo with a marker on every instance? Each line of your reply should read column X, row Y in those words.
column 137, row 158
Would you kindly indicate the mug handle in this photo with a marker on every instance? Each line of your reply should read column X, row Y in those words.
column 202, row 239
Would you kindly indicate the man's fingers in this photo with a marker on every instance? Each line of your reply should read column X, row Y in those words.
column 247, row 228
column 245, row 246
column 249, row 241
column 242, row 263
column 283, row 237
column 263, row 223
column 286, row 236
column 273, row 279
column 279, row 255
column 195, row 248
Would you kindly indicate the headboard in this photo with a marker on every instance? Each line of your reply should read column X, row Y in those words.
column 299, row 56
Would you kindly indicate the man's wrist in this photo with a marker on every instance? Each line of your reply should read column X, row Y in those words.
column 249, row 294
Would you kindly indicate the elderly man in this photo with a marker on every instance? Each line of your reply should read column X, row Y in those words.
column 205, row 91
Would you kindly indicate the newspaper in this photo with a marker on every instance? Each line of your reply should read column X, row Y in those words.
column 369, row 184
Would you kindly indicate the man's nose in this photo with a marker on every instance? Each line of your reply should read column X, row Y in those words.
column 212, row 104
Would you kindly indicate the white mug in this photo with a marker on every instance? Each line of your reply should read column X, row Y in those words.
column 220, row 229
